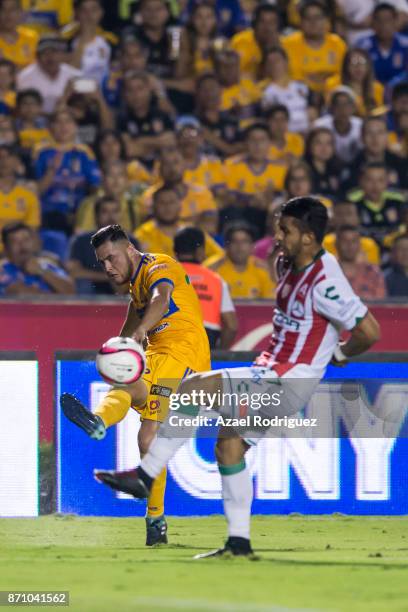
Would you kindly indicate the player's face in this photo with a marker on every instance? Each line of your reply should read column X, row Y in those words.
column 115, row 261
column 289, row 237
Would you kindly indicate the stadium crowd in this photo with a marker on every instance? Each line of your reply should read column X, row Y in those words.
column 162, row 114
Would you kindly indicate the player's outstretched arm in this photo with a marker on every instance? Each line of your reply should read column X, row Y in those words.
column 155, row 310
column 131, row 322
column 363, row 336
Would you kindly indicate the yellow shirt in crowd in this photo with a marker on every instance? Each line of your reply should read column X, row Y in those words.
column 22, row 52
column 209, row 172
column 250, row 54
column 369, row 247
column 241, row 178
column 378, row 94
column 243, row 94
column 180, row 333
column 154, row 240
column 19, row 204
column 47, row 16
column 252, row 283
column 305, row 61
column 294, row 146
column 197, row 199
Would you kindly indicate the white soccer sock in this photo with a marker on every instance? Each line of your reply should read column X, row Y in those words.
column 237, row 493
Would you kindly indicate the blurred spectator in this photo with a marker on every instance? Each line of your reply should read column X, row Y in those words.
column 366, row 279
column 220, row 128
column 157, row 234
column 247, row 277
column 198, row 40
column 132, row 58
column 357, row 73
column 204, row 170
column 387, row 48
column 230, row 16
column 397, row 117
column 153, row 34
column 66, row 172
column 298, row 182
column 109, row 147
column 90, row 111
column 357, row 16
column 375, row 142
column 396, row 276
column 218, row 310
column 380, row 209
column 116, row 186
column 341, row 121
column 49, row 75
column 145, row 129
column 239, row 95
column 9, row 136
column 346, row 214
column 325, row 167
column 253, row 179
column 195, row 199
column 47, row 16
column 285, row 146
column 314, row 53
column 17, row 43
column 31, row 126
column 17, row 203
column 280, row 89
column 253, row 43
column 23, row 272
column 82, row 263
column 90, row 46
column 7, row 85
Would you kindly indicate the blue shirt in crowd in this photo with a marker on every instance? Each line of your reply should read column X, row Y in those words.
column 387, row 65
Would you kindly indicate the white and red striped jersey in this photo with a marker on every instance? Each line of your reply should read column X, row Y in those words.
column 313, row 306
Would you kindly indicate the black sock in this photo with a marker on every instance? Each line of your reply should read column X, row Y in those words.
column 145, row 478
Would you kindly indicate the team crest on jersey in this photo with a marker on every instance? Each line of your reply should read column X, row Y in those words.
column 298, row 310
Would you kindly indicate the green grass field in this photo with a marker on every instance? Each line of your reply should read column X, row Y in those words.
column 330, row 563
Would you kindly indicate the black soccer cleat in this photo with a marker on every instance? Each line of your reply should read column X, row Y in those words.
column 234, row 547
column 76, row 412
column 127, row 481
column 156, row 531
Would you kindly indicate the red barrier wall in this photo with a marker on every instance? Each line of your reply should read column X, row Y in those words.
column 51, row 326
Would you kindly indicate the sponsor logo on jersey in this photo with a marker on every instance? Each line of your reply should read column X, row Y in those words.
column 158, row 329
column 283, row 320
column 159, row 390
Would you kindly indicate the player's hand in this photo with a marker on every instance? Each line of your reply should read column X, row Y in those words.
column 139, row 335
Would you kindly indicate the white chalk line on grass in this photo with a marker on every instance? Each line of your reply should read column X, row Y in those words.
column 205, row 605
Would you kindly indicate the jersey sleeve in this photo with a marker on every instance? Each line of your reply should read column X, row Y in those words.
column 335, row 300
column 160, row 272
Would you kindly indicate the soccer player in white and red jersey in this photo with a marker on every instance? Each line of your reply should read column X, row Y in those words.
column 314, row 304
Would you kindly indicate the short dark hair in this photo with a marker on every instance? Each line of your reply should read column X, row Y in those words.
column 372, row 166
column 99, row 202
column 373, row 119
column 309, row 3
column 29, row 93
column 385, row 6
column 347, row 228
column 12, row 228
column 276, row 108
column 239, row 226
column 188, row 240
column 111, row 233
column 400, row 89
column 264, row 7
column 310, row 213
column 253, row 127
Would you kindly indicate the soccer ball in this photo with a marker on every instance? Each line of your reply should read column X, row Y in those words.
column 121, row 361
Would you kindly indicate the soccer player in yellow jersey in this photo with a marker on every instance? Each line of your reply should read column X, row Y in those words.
column 157, row 234
column 164, row 312
column 17, row 43
column 247, row 276
column 314, row 54
column 17, row 203
column 251, row 44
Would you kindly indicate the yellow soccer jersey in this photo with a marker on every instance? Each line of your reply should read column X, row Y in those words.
column 244, row 94
column 242, row 179
column 208, row 173
column 9, row 98
column 314, row 66
column 196, row 200
column 22, row 52
column 294, row 147
column 31, row 138
column 137, row 173
column 180, row 333
column 252, row 283
column 244, row 43
column 47, row 16
column 153, row 239
column 19, row 204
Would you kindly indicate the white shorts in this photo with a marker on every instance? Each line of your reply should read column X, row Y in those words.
column 278, row 392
